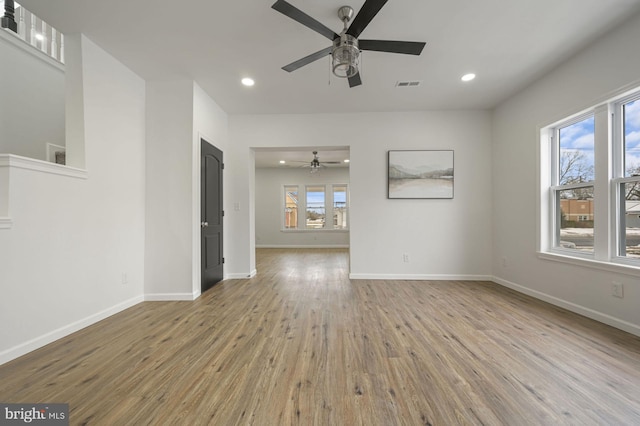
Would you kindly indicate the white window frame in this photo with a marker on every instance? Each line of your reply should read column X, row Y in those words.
column 346, row 204
column 283, row 204
column 302, row 207
column 324, row 206
column 618, row 210
column 555, row 188
column 609, row 175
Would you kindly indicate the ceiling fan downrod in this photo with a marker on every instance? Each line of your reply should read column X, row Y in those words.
column 345, row 53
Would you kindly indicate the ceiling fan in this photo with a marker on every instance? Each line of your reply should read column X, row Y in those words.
column 315, row 164
column 345, row 50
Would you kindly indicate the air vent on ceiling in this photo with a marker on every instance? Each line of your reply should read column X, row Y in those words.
column 413, row 83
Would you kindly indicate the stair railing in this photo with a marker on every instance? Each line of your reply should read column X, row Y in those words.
column 42, row 36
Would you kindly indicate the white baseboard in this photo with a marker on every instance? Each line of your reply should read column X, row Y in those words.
column 420, row 277
column 289, row 246
column 241, row 275
column 170, row 297
column 578, row 309
column 52, row 336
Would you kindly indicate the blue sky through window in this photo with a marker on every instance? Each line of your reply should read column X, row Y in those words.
column 339, row 197
column 577, row 143
column 315, row 199
column 632, row 137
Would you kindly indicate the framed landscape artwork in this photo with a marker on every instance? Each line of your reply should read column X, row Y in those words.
column 420, row 174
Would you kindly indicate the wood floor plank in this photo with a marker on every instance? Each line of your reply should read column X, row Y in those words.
column 301, row 344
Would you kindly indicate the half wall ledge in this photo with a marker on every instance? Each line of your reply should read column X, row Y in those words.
column 9, row 163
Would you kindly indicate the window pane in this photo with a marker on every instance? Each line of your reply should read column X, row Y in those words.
column 315, row 207
column 631, row 113
column 340, row 207
column 576, row 219
column 576, row 152
column 630, row 220
column 290, row 207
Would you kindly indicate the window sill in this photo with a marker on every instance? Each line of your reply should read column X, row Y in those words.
column 301, row 231
column 618, row 268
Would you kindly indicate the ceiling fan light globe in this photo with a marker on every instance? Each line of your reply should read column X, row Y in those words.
column 345, row 56
column 344, row 70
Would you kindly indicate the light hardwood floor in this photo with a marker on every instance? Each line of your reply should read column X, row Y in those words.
column 301, row 344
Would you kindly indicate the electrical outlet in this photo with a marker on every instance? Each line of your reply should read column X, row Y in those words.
column 405, row 258
column 125, row 279
column 617, row 290
column 504, row 262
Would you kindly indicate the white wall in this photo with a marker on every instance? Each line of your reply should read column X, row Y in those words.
column 269, row 199
column 211, row 123
column 443, row 238
column 72, row 239
column 32, row 99
column 168, row 247
column 591, row 76
column 179, row 113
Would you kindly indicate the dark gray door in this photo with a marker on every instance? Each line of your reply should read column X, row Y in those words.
column 211, row 214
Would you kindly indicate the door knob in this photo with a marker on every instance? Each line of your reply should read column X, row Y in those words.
column 204, row 224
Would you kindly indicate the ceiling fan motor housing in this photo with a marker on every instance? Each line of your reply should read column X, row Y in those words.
column 345, row 48
column 345, row 56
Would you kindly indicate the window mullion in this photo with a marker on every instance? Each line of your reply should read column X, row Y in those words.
column 603, row 247
column 302, row 207
column 328, row 206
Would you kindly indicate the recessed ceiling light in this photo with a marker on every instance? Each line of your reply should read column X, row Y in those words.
column 248, row 81
column 282, row 162
column 346, row 161
column 468, row 77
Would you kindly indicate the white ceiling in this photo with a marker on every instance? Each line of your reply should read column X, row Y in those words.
column 507, row 43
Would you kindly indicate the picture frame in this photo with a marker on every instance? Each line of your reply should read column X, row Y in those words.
column 420, row 174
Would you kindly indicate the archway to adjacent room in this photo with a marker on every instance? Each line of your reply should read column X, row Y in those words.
column 298, row 203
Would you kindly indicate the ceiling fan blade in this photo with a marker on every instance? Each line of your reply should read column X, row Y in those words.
column 306, row 20
column 406, row 47
column 307, row 59
column 369, row 10
column 355, row 80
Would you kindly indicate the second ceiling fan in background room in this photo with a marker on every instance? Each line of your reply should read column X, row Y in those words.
column 346, row 47
column 315, row 165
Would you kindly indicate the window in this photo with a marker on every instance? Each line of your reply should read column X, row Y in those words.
column 291, row 207
column 315, row 207
column 627, row 181
column 590, row 176
column 573, row 175
column 318, row 202
column 339, row 207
